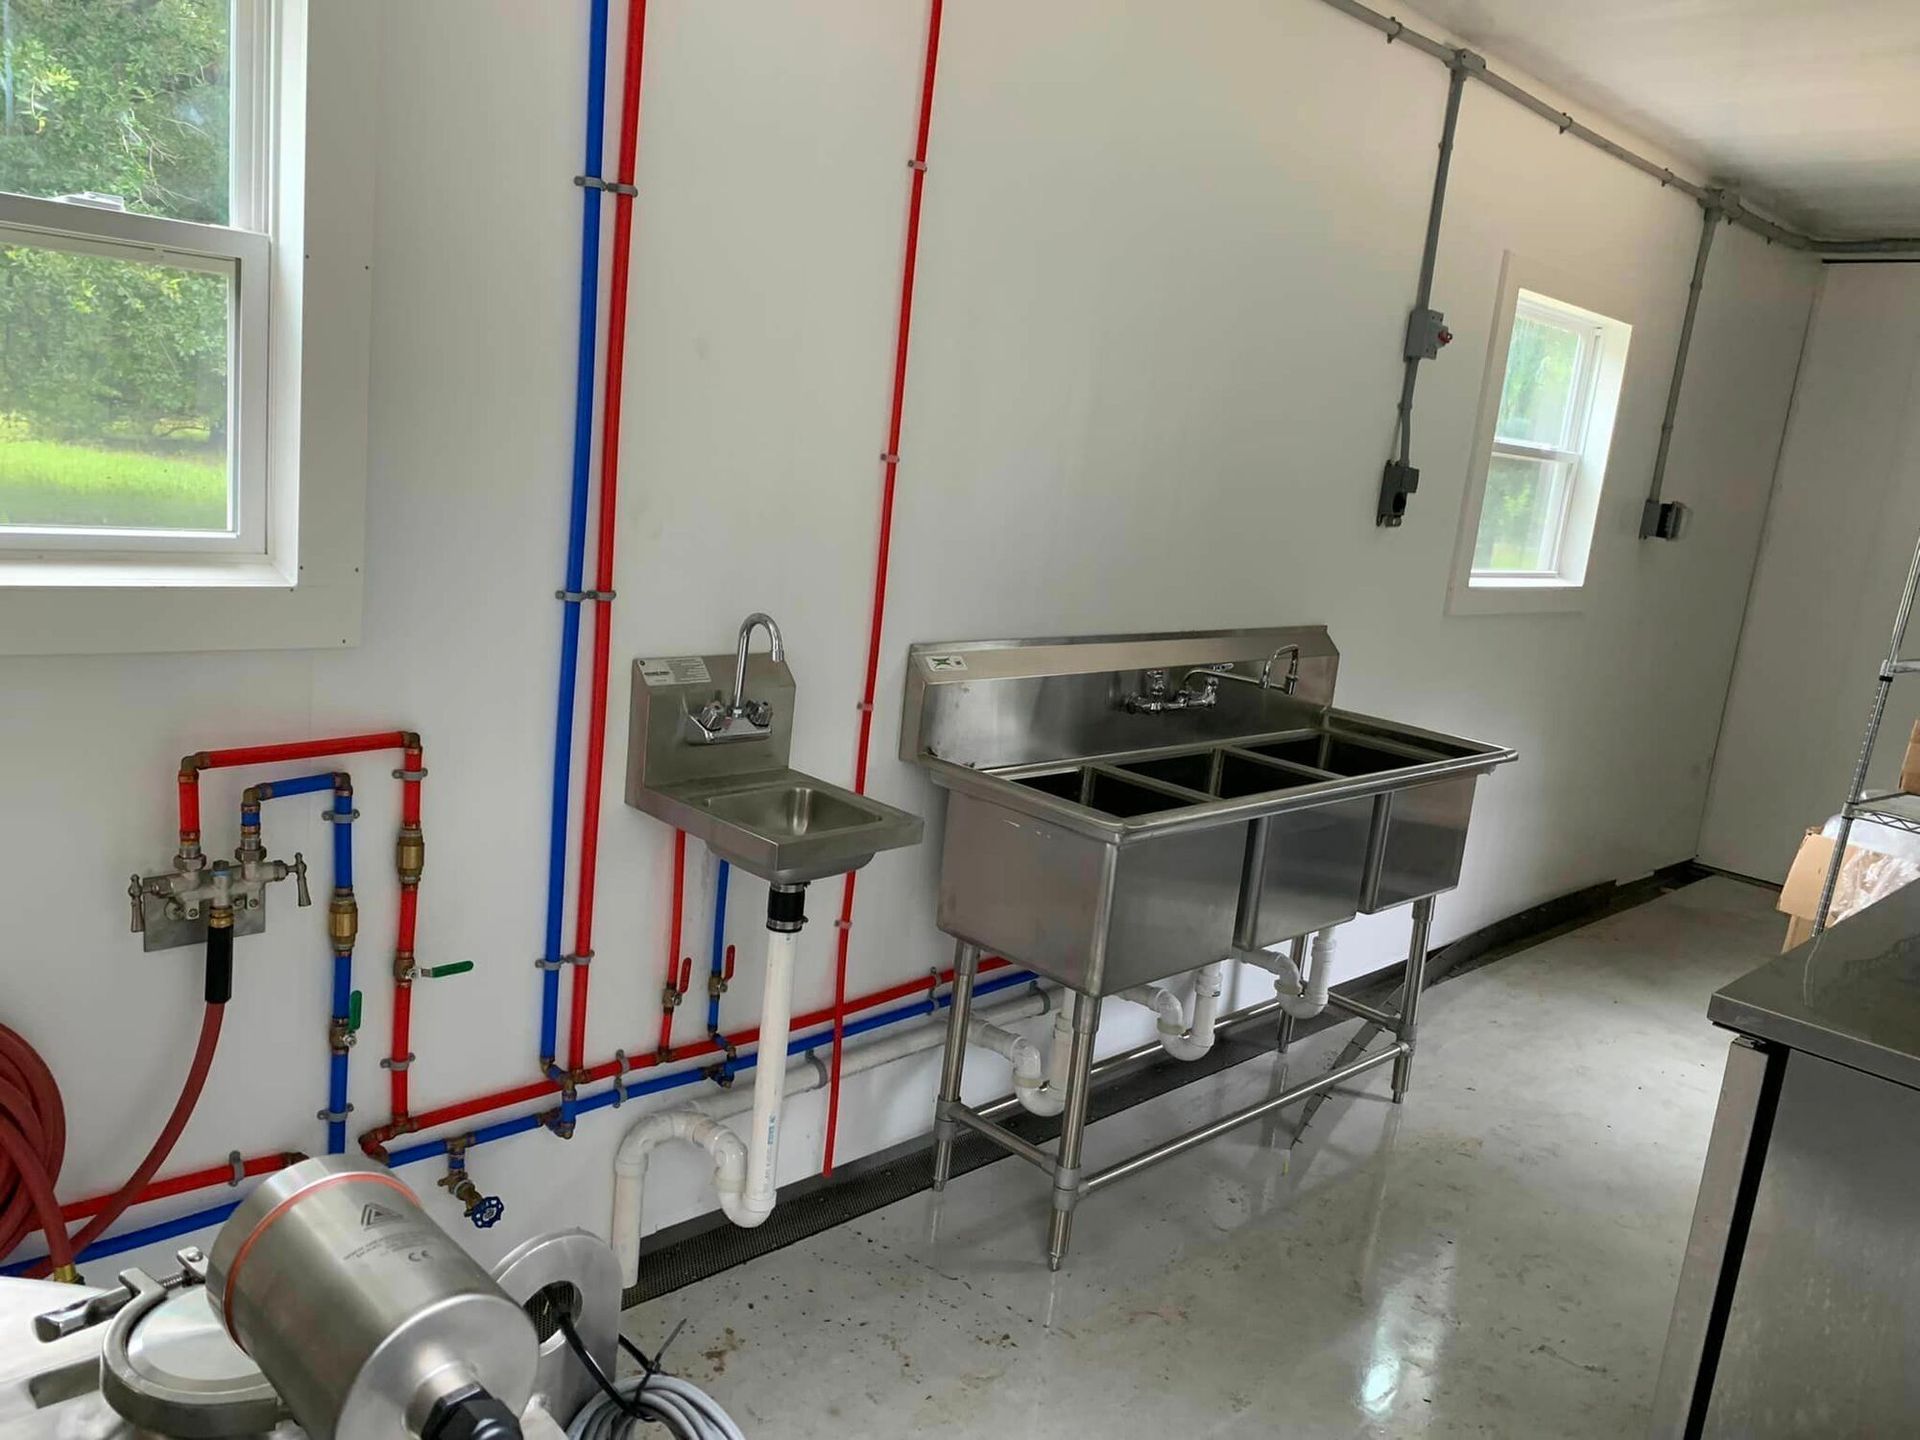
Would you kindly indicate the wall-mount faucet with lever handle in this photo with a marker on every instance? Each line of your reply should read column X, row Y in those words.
column 1158, row 697
column 717, row 720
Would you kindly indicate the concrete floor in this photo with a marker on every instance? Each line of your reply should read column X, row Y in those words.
column 1496, row 1257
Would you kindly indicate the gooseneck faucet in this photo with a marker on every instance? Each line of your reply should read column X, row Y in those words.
column 739, row 705
column 715, row 720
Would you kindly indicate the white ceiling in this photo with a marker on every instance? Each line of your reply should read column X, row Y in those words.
column 1812, row 105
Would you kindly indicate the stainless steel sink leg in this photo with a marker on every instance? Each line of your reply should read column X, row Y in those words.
column 1415, row 982
column 966, row 960
column 1073, row 1127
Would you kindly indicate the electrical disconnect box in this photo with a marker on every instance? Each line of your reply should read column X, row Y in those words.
column 1427, row 332
column 1399, row 481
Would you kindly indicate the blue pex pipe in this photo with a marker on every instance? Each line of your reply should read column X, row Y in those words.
column 299, row 785
column 606, row 1099
column 337, row 1059
column 526, row 1124
column 343, row 840
column 584, row 365
column 134, row 1239
column 719, row 944
column 342, row 964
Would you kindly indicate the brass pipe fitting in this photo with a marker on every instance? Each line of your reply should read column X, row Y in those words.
column 403, row 967
column 219, row 917
column 410, row 854
column 343, row 920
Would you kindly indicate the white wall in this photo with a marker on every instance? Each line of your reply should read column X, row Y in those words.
column 1841, row 531
column 1167, row 259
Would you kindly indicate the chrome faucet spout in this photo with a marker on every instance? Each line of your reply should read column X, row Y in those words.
column 737, row 704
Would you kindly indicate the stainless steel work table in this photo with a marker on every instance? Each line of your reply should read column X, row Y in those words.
column 1798, row 1310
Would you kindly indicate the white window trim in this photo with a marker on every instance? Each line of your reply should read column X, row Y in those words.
column 1566, row 589
column 305, row 590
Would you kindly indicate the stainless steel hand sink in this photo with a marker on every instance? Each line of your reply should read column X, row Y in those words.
column 1107, row 827
column 740, row 797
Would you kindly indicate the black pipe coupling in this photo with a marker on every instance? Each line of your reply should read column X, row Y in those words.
column 786, row 908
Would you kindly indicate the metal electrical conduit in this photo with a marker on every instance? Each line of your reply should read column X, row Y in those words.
column 1735, row 212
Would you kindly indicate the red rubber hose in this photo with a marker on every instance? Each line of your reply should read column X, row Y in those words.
column 33, row 1142
column 60, row 1248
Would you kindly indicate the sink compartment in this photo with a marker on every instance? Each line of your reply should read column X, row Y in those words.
column 1110, row 792
column 1330, row 751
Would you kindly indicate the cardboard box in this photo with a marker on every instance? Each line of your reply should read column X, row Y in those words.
column 1865, row 876
column 1910, row 763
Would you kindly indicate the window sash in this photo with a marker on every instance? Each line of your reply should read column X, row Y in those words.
column 241, row 256
column 1562, row 476
column 239, row 251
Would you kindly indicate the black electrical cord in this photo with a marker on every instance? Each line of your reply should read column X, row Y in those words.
column 632, row 1409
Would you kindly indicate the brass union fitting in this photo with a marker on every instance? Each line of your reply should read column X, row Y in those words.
column 410, row 854
column 343, row 921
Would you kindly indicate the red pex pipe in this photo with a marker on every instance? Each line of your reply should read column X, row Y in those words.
column 184, row 1183
column 305, row 750
column 890, row 462
column 605, row 531
column 400, row 1050
column 674, row 933
column 189, row 806
column 607, row 1069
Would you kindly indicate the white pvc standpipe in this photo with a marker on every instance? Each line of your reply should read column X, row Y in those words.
column 769, row 1081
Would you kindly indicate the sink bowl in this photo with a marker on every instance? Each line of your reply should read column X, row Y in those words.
column 788, row 812
column 785, row 827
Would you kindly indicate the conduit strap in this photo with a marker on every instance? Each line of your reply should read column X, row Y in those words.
column 389, row 1062
column 583, row 959
column 339, row 817
column 333, row 1116
column 612, row 187
column 412, row 775
column 576, row 597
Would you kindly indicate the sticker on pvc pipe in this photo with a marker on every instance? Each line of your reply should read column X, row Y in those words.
column 676, row 670
column 946, row 662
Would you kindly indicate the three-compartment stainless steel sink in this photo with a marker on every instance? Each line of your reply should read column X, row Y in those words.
column 742, row 798
column 1107, row 845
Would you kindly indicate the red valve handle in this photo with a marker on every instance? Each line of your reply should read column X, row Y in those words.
column 727, row 974
column 686, row 974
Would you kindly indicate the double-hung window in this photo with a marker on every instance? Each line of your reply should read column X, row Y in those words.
column 1552, row 390
column 136, row 190
column 1546, row 398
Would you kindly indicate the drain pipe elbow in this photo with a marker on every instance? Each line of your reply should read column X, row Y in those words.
column 1195, row 1040
column 1306, row 995
column 1180, row 1039
column 727, row 1150
column 1032, row 1082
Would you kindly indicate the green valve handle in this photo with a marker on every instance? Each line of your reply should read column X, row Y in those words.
column 353, row 1012
column 440, row 972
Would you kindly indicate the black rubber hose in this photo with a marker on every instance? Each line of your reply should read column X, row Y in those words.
column 219, row 964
